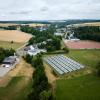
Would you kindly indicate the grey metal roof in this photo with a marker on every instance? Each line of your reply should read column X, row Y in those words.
column 9, row 59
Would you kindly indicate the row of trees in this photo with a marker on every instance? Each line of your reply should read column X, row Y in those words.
column 5, row 53
column 40, row 36
column 88, row 33
column 40, row 88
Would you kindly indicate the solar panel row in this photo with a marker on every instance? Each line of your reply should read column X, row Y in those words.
column 63, row 64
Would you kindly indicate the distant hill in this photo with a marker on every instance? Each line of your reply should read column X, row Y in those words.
column 71, row 21
column 58, row 23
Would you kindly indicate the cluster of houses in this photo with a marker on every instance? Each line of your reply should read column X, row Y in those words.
column 33, row 50
column 66, row 33
column 70, row 34
column 71, row 37
column 60, row 32
column 41, row 28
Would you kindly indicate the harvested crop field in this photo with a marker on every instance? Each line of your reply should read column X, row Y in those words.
column 82, row 44
column 8, row 45
column 7, row 24
column 14, row 24
column 36, row 25
column 88, row 24
column 14, row 35
column 92, row 24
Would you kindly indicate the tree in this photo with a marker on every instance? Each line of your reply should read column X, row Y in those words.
column 12, row 42
column 40, row 80
column 2, row 56
column 31, row 41
column 37, row 61
column 46, row 95
column 5, row 53
column 57, row 43
column 66, row 50
column 98, row 68
column 88, row 33
column 28, row 58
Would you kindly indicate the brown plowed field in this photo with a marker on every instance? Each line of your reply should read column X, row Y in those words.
column 82, row 44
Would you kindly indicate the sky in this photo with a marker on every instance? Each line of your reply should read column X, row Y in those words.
column 49, row 9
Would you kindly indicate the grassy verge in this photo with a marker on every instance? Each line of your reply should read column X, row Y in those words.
column 8, row 45
column 80, row 88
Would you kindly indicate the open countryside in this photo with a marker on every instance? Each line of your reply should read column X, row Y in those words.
column 31, row 60
column 73, row 80
column 50, row 50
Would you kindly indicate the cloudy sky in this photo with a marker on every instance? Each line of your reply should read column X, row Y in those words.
column 49, row 9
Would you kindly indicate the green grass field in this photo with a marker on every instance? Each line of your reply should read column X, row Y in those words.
column 17, row 89
column 8, row 45
column 80, row 88
column 87, row 57
column 83, row 87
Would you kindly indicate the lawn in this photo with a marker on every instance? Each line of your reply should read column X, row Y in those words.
column 17, row 89
column 87, row 57
column 83, row 87
column 8, row 45
column 80, row 88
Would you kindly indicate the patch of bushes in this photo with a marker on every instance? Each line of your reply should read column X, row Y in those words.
column 5, row 53
column 98, row 69
column 88, row 33
column 66, row 50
